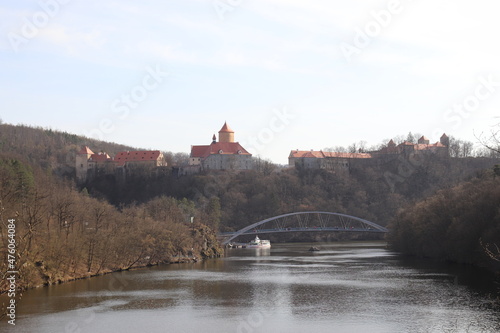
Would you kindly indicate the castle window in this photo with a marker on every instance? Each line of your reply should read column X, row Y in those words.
column 220, row 151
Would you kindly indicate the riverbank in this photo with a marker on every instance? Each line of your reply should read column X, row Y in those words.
column 20, row 288
column 48, row 269
column 44, row 278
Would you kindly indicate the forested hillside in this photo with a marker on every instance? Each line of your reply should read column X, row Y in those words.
column 459, row 224
column 250, row 196
column 55, row 151
column 62, row 233
column 374, row 191
column 50, row 150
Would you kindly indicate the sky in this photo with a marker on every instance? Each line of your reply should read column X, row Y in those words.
column 284, row 74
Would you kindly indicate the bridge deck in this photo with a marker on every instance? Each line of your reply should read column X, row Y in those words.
column 268, row 231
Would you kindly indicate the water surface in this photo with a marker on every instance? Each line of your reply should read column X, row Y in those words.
column 345, row 287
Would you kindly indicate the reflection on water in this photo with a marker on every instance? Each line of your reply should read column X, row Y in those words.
column 345, row 287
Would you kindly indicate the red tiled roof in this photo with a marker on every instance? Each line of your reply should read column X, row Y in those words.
column 322, row 154
column 226, row 128
column 423, row 146
column 85, row 150
column 218, row 148
column 135, row 156
column 306, row 153
column 199, row 151
column 101, row 157
column 311, row 154
column 347, row 155
column 390, row 149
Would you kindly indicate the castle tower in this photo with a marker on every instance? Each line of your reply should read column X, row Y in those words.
column 445, row 140
column 81, row 164
column 423, row 140
column 226, row 134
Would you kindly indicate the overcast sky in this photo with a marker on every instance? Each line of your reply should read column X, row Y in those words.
column 284, row 74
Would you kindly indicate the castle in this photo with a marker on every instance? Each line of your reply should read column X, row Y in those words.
column 226, row 154
column 89, row 164
column 338, row 161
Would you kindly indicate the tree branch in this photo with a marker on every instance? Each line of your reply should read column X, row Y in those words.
column 493, row 253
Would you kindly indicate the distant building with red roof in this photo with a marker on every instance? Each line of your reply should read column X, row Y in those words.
column 144, row 157
column 223, row 155
column 82, row 167
column 422, row 146
column 90, row 164
column 336, row 161
column 341, row 161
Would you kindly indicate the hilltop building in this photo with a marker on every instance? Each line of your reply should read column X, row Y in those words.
column 153, row 158
column 226, row 154
column 422, row 146
column 89, row 164
column 340, row 162
column 323, row 160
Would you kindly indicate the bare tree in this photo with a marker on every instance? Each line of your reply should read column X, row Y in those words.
column 460, row 148
column 399, row 139
column 492, row 250
column 491, row 140
column 336, row 149
column 362, row 146
column 264, row 166
column 467, row 148
column 411, row 138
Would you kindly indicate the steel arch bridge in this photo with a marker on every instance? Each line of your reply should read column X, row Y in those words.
column 311, row 221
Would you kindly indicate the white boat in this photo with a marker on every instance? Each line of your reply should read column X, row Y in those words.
column 258, row 243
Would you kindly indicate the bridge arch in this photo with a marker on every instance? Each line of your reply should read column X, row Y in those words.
column 369, row 226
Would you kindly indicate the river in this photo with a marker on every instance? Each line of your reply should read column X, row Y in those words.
column 345, row 287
